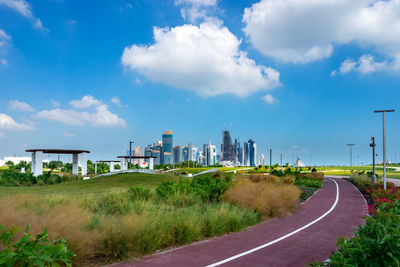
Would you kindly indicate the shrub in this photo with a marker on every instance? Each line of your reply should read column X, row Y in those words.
column 207, row 188
column 30, row 251
column 264, row 178
column 271, row 200
column 308, row 182
column 375, row 244
column 288, row 180
column 315, row 175
column 139, row 193
column 112, row 203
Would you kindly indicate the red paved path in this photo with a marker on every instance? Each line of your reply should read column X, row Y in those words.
column 313, row 243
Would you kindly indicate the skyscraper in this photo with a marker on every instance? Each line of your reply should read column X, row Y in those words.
column 156, row 152
column 262, row 158
column 167, row 147
column 246, row 161
column 227, row 149
column 210, row 154
column 252, row 153
column 138, row 152
column 178, row 154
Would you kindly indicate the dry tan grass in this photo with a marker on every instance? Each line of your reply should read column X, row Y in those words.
column 264, row 178
column 270, row 199
column 315, row 175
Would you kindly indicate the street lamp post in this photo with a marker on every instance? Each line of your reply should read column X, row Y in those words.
column 373, row 145
column 351, row 158
column 270, row 161
column 384, row 142
column 130, row 153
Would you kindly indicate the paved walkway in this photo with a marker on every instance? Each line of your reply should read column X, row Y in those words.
column 310, row 233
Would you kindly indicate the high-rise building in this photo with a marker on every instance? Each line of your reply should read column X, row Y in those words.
column 185, row 153
column 227, row 149
column 246, row 158
column 252, row 153
column 210, row 154
column 157, row 152
column 138, row 152
column 167, row 147
column 262, row 158
column 241, row 156
column 178, row 154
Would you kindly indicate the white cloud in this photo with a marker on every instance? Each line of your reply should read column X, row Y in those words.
column 101, row 118
column 115, row 100
column 205, row 59
column 366, row 64
column 25, row 9
column 194, row 10
column 21, row 6
column 302, row 31
column 5, row 42
column 85, row 102
column 67, row 134
column 8, row 123
column 19, row 106
column 270, row 99
column 55, row 103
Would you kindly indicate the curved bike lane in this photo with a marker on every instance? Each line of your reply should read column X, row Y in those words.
column 310, row 233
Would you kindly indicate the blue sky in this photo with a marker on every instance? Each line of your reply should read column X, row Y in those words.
column 301, row 77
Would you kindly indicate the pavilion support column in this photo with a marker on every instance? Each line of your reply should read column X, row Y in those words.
column 37, row 158
column 111, row 166
column 151, row 164
column 33, row 162
column 75, row 168
column 95, row 167
column 84, row 163
column 123, row 164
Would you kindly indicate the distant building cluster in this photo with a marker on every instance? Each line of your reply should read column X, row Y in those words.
column 231, row 154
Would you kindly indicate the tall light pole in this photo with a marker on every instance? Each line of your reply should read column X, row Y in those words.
column 351, row 158
column 373, row 159
column 384, row 142
column 281, row 162
column 130, row 153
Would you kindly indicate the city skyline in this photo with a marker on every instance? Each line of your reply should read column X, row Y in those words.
column 72, row 78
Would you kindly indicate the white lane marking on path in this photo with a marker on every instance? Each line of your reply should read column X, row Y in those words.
column 283, row 237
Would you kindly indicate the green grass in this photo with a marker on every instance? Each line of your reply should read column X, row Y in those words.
column 115, row 183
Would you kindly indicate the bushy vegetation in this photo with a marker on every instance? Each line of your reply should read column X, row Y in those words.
column 377, row 242
column 16, row 178
column 32, row 251
column 265, row 194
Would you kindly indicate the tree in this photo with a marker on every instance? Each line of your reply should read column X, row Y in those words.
column 10, row 164
column 53, row 165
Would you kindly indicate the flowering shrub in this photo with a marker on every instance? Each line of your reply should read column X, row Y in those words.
column 377, row 242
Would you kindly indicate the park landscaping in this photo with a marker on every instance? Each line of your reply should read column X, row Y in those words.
column 111, row 218
column 377, row 242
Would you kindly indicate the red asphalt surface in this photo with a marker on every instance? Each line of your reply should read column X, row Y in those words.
column 316, row 243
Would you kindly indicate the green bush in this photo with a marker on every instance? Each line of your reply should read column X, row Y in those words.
column 139, row 193
column 112, row 203
column 207, row 188
column 32, row 251
column 374, row 244
column 308, row 182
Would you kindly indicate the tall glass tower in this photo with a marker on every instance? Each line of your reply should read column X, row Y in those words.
column 252, row 152
column 167, row 147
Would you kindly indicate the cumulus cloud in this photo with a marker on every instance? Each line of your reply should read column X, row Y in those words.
column 116, row 101
column 366, row 64
column 194, row 10
column 8, row 123
column 205, row 59
column 101, row 117
column 19, row 106
column 302, row 31
column 25, row 9
column 55, row 103
column 85, row 102
column 270, row 99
